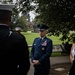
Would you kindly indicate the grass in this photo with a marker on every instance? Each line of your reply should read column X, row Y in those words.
column 56, row 40
column 54, row 54
column 31, row 36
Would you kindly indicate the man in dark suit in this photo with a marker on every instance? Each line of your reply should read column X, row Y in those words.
column 41, row 52
column 14, row 54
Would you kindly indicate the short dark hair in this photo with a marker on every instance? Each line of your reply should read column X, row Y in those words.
column 5, row 15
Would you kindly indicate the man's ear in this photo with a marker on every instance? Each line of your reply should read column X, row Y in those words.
column 46, row 31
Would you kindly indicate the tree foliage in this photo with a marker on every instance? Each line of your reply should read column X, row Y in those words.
column 21, row 9
column 58, row 14
column 22, row 22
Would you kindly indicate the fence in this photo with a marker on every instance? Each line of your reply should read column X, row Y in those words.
column 56, row 48
column 60, row 48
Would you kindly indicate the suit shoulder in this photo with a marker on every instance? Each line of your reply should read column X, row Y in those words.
column 16, row 36
column 36, row 38
column 49, row 39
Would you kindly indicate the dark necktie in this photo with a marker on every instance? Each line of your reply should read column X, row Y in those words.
column 40, row 39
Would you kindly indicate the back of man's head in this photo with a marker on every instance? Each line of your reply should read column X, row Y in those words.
column 5, row 13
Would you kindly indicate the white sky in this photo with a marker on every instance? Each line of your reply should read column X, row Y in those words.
column 14, row 1
column 32, row 13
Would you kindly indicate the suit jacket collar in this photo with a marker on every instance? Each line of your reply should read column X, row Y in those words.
column 4, row 27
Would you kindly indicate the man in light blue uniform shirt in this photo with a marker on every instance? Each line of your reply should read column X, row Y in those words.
column 41, row 52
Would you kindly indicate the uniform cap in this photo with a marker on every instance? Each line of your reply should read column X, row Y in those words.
column 8, row 7
column 42, row 26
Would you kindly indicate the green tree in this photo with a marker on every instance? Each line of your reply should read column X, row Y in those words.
column 22, row 22
column 22, row 8
column 58, row 14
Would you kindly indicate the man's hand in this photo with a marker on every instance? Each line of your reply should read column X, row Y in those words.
column 36, row 62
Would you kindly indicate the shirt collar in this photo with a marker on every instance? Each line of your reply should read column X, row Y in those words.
column 42, row 37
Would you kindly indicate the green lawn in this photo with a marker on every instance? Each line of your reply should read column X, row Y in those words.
column 31, row 36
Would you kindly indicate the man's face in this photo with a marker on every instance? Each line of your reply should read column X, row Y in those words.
column 42, row 33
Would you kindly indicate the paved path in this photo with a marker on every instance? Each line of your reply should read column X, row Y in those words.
column 54, row 60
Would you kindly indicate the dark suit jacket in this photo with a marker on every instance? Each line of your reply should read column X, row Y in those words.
column 41, row 50
column 14, row 54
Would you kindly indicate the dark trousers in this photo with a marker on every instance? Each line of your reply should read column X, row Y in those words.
column 42, row 71
column 72, row 69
